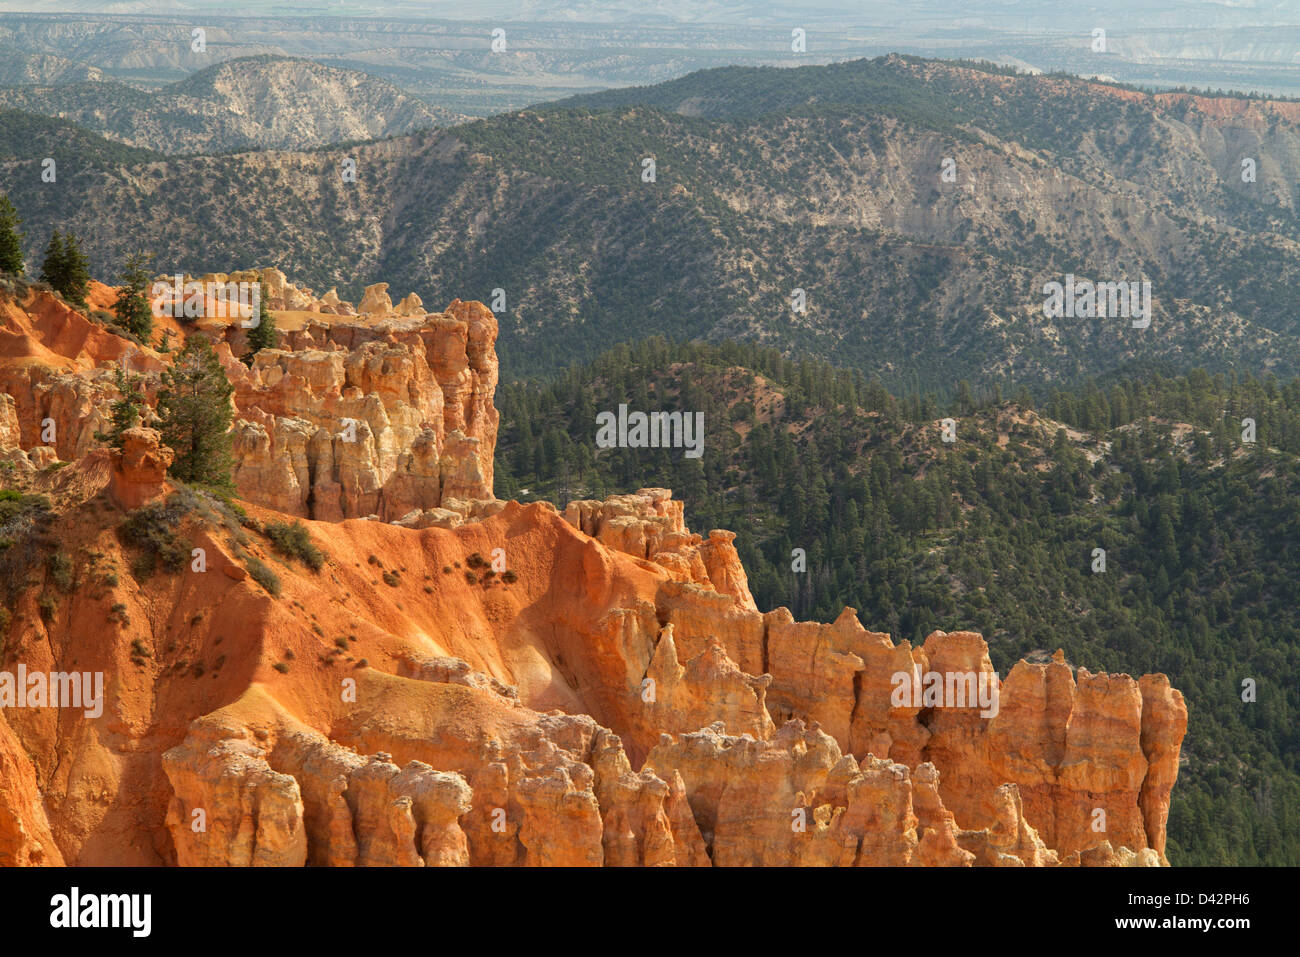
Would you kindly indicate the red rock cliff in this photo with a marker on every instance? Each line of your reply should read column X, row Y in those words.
column 616, row 698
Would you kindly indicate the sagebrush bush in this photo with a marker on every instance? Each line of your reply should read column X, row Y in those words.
column 294, row 541
column 60, row 569
column 263, row 575
column 151, row 529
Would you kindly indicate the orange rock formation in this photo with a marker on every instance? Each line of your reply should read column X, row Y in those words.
column 616, row 699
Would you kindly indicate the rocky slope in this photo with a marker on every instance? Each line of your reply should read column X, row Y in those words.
column 480, row 682
column 21, row 67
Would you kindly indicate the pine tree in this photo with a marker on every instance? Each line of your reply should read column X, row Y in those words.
column 261, row 336
column 134, row 313
column 126, row 409
column 78, row 271
column 66, row 269
column 54, row 268
column 195, row 414
column 11, row 238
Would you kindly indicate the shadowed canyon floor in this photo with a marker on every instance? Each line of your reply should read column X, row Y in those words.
column 470, row 681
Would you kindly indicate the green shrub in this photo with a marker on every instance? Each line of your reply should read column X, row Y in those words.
column 264, row 576
column 151, row 529
column 14, row 504
column 294, row 541
column 60, row 569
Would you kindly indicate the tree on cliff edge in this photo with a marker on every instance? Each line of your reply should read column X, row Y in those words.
column 261, row 336
column 195, row 415
column 66, row 268
column 11, row 238
column 134, row 312
column 126, row 410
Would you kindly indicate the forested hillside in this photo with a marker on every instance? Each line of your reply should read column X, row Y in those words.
column 23, row 135
column 996, row 531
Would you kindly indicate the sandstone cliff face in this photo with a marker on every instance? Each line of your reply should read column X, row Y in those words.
column 56, row 379
column 651, row 525
column 617, row 700
column 139, row 468
column 720, row 781
column 351, row 420
column 25, row 837
column 278, row 293
column 391, row 419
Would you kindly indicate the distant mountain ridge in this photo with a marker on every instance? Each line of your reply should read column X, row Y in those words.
column 257, row 102
column 19, row 66
column 828, row 180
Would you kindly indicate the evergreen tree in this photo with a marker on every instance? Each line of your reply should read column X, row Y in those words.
column 126, row 409
column 11, row 238
column 78, row 271
column 66, row 269
column 54, row 268
column 134, row 313
column 194, row 409
column 261, row 336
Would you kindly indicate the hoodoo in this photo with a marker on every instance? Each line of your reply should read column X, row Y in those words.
column 376, row 661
